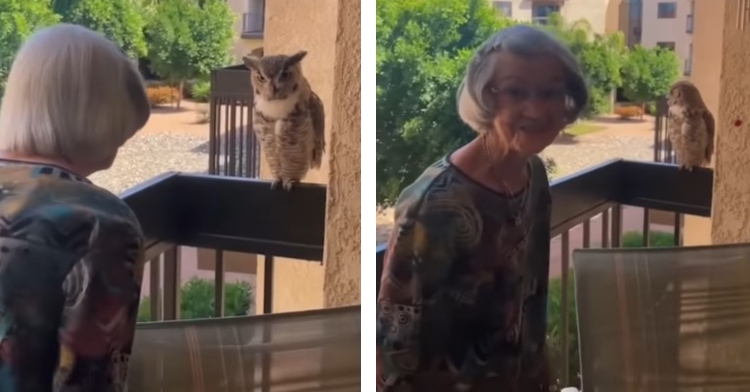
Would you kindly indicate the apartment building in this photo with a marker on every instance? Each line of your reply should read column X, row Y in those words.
column 669, row 24
column 249, row 25
column 594, row 11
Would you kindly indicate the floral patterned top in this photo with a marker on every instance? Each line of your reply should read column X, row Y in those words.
column 462, row 302
column 71, row 260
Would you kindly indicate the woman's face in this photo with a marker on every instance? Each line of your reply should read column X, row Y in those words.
column 531, row 99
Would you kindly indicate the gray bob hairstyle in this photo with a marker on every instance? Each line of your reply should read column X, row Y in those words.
column 476, row 105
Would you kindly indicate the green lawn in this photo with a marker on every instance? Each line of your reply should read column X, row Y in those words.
column 582, row 128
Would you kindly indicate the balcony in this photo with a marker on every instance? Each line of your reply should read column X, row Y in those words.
column 230, row 210
column 252, row 25
column 591, row 209
column 689, row 20
column 239, row 353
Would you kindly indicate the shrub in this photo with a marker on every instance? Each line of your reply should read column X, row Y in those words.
column 629, row 111
column 555, row 332
column 201, row 91
column 162, row 95
column 198, row 300
column 656, row 239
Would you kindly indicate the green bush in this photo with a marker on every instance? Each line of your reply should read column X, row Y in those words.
column 555, row 331
column 198, row 300
column 201, row 91
column 656, row 239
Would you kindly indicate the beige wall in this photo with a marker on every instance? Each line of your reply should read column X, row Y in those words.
column 707, row 68
column 332, row 68
column 731, row 201
column 594, row 11
column 667, row 30
column 242, row 46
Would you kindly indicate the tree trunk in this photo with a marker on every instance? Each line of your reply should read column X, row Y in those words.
column 180, row 87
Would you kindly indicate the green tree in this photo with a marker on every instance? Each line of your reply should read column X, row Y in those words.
column 423, row 47
column 119, row 20
column 18, row 19
column 601, row 58
column 188, row 39
column 197, row 300
column 649, row 73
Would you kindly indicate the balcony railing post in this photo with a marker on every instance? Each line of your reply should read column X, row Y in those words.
column 616, row 225
column 268, row 285
column 219, row 284
column 172, row 283
column 155, row 288
column 565, row 328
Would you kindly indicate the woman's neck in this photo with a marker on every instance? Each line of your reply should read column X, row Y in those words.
column 501, row 171
column 42, row 160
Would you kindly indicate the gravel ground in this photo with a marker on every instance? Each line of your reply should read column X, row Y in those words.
column 149, row 155
column 590, row 151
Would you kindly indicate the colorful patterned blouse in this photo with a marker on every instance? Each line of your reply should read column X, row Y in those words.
column 71, row 259
column 462, row 303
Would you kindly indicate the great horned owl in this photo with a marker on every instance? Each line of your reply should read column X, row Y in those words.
column 691, row 128
column 288, row 117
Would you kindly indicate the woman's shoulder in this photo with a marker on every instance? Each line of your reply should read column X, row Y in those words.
column 64, row 214
column 439, row 199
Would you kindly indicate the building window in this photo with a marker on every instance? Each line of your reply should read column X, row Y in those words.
column 504, row 7
column 666, row 45
column 542, row 12
column 688, row 67
column 666, row 10
column 253, row 19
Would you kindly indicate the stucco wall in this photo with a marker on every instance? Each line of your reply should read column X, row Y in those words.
column 731, row 203
column 343, row 224
column 332, row 43
column 707, row 68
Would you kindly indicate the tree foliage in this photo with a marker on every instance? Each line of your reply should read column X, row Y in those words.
column 649, row 73
column 601, row 58
column 187, row 39
column 423, row 47
column 197, row 300
column 18, row 20
column 119, row 20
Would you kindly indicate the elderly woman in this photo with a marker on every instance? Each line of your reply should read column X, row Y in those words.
column 71, row 253
column 462, row 304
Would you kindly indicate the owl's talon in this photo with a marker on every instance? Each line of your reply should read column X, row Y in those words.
column 288, row 184
column 275, row 184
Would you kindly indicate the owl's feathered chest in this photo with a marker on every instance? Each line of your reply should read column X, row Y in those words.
column 276, row 109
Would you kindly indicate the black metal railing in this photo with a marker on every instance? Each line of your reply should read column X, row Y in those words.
column 226, row 214
column 233, row 149
column 663, row 151
column 610, row 194
column 252, row 24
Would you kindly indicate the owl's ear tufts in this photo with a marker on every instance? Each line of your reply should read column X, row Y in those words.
column 252, row 62
column 296, row 58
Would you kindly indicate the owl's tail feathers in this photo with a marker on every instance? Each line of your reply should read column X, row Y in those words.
column 317, row 155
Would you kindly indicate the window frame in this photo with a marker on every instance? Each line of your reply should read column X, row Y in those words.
column 504, row 7
column 662, row 11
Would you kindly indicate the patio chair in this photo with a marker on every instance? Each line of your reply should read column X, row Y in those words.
column 304, row 351
column 664, row 320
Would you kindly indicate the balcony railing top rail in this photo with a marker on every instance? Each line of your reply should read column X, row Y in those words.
column 230, row 213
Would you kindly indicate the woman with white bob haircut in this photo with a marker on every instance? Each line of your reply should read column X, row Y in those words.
column 71, row 253
column 463, row 298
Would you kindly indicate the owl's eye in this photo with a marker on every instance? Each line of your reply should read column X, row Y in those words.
column 284, row 74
